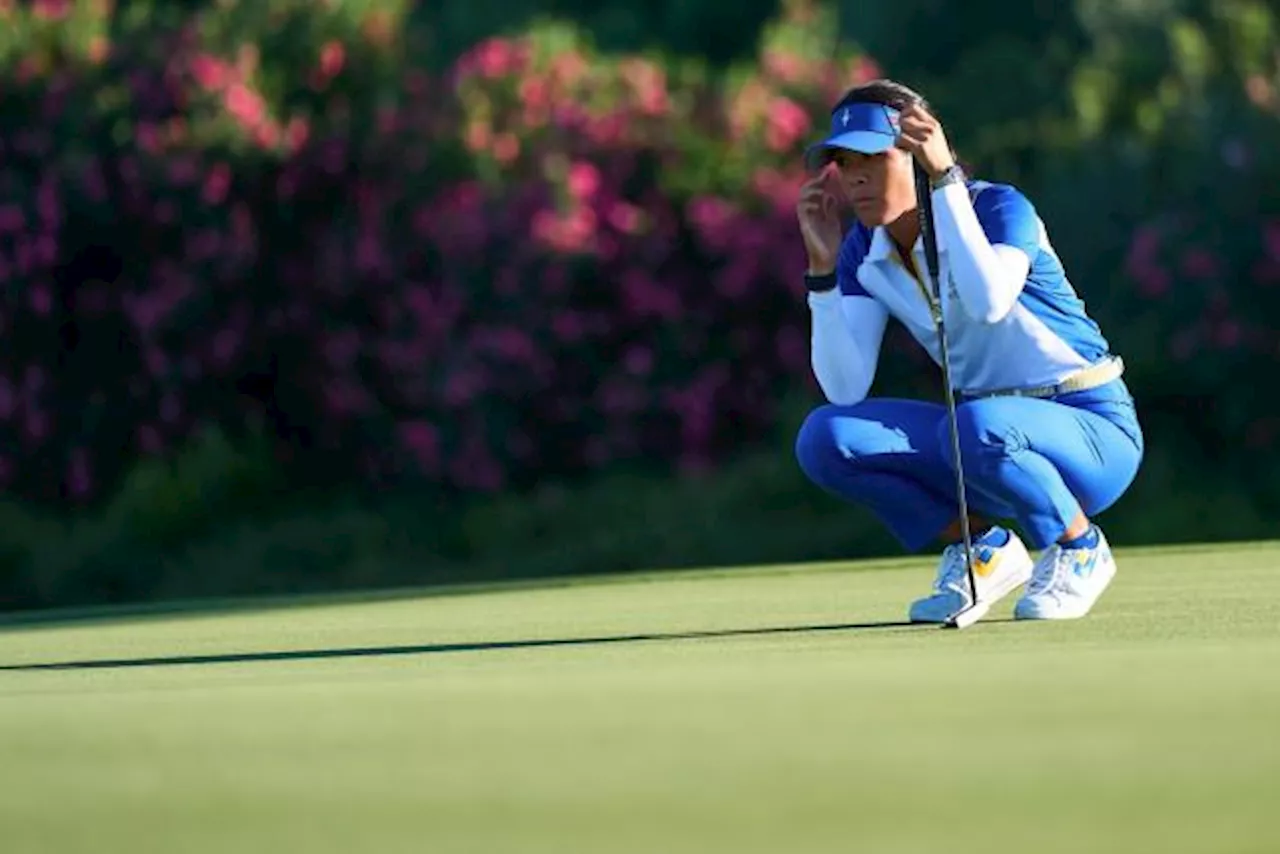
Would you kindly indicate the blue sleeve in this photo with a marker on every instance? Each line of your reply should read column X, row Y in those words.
column 1008, row 217
column 852, row 251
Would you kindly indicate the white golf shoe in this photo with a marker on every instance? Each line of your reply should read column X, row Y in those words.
column 997, row 570
column 1066, row 583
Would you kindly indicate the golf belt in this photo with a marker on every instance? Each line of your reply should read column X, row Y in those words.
column 1100, row 374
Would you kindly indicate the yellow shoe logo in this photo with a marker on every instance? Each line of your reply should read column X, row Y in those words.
column 985, row 568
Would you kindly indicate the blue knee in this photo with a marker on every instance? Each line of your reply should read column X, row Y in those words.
column 816, row 446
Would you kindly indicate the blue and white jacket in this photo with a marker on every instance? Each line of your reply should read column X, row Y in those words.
column 1012, row 317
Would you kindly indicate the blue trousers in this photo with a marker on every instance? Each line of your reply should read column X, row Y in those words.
column 1034, row 462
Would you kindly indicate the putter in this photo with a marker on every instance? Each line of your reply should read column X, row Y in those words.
column 969, row 615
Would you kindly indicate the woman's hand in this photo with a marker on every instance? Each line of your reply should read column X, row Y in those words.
column 922, row 136
column 819, row 214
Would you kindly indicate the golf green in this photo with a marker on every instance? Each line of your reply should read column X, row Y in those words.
column 747, row 710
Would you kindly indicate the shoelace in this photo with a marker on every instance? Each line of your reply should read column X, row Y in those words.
column 952, row 575
column 1046, row 573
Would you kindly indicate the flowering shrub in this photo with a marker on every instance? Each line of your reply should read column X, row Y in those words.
column 542, row 262
column 1207, row 293
column 263, row 214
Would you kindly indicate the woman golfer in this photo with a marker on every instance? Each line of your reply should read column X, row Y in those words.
column 1048, row 431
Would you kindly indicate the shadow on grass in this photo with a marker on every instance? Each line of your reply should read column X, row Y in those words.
column 477, row 646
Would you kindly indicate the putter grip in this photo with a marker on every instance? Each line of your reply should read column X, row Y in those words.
column 924, row 201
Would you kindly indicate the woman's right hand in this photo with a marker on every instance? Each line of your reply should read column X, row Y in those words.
column 819, row 214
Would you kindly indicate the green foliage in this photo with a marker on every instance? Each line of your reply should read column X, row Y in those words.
column 252, row 538
column 1145, row 131
column 721, row 32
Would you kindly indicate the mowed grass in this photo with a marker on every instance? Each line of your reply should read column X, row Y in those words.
column 726, row 711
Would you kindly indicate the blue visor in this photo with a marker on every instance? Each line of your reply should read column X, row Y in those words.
column 865, row 128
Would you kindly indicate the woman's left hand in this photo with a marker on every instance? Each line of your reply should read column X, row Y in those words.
column 921, row 135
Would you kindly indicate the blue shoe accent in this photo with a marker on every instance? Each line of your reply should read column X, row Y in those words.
column 1088, row 540
column 996, row 537
column 1085, row 561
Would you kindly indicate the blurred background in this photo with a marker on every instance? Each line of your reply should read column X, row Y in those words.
column 306, row 295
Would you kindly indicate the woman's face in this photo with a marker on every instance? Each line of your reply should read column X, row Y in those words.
column 879, row 188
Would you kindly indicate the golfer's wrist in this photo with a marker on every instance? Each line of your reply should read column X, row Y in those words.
column 818, row 281
column 820, row 267
column 953, row 174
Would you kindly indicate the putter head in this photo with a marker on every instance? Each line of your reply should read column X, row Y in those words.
column 966, row 617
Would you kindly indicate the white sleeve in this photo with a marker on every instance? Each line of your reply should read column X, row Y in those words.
column 988, row 278
column 845, row 344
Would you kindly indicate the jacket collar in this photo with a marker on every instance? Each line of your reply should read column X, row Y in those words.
column 882, row 248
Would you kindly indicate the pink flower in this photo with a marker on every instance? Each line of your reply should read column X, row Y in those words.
column 646, row 297
column 569, row 233
column 371, row 257
column 462, row 387
column 779, row 188
column 41, row 300
column 332, row 57
column 47, row 202
column 225, row 344
column 1227, row 334
column 267, row 136
column 638, row 360
column 492, row 58
column 37, row 426
column 568, row 116
column 864, row 70
column 1199, row 263
column 534, row 93
column 713, row 218
column 46, row 251
column 1271, row 239
column 51, row 10
column 1152, row 280
column 786, row 66
column 648, row 82
column 11, row 218
column 510, row 343
column 245, row 104
column 506, row 148
column 568, row 326
column 617, row 399
column 148, row 137
column 608, row 130
column 584, row 180
column 567, row 68
column 624, row 217
column 217, row 183
column 343, row 397
column 210, row 71
column 422, row 440
column 183, row 170
column 1145, row 244
column 478, row 136
column 788, row 122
